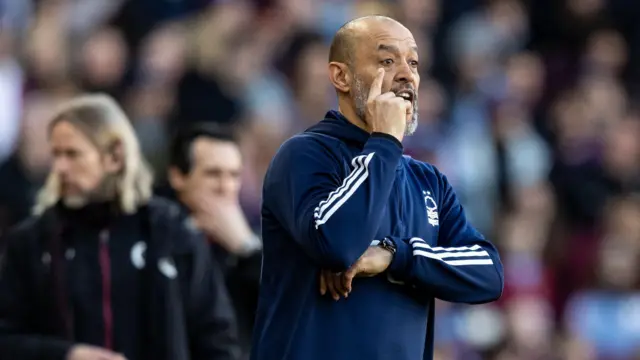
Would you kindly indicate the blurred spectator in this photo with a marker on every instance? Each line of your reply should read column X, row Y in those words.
column 13, row 199
column 605, row 54
column 204, row 172
column 606, row 315
column 109, row 256
column 103, row 62
column 11, row 88
column 303, row 65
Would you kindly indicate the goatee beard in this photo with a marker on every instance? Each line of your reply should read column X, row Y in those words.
column 105, row 192
column 412, row 124
column 361, row 94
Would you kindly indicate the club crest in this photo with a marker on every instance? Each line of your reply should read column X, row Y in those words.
column 432, row 209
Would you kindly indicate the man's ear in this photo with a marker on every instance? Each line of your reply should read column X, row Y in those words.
column 340, row 76
column 176, row 178
column 114, row 159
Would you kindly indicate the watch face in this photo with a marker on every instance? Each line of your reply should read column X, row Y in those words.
column 389, row 245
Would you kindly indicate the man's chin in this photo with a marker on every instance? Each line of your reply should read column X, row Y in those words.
column 75, row 201
column 412, row 125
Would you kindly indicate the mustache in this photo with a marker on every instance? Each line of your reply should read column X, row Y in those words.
column 404, row 90
column 407, row 87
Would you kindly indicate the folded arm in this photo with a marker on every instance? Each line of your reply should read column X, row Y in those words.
column 464, row 267
column 332, row 217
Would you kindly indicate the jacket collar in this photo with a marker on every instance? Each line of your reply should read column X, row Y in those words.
column 336, row 125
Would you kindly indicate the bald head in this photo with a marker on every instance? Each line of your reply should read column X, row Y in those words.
column 343, row 45
column 359, row 50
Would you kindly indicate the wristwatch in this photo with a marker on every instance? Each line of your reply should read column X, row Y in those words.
column 388, row 245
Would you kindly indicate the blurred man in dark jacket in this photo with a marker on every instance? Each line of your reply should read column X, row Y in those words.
column 205, row 170
column 104, row 271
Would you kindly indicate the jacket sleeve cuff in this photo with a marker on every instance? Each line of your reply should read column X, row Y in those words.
column 387, row 136
column 401, row 263
column 386, row 147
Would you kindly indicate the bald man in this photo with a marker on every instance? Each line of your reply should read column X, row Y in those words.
column 358, row 239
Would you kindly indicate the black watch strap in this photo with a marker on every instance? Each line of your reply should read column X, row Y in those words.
column 388, row 245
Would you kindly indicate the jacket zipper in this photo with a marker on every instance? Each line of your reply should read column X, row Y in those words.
column 105, row 270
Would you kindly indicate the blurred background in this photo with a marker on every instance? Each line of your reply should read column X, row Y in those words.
column 530, row 107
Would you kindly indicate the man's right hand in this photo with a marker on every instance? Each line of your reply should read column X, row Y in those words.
column 87, row 352
column 373, row 262
column 223, row 220
column 386, row 113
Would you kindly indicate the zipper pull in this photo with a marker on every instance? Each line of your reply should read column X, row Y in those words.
column 104, row 236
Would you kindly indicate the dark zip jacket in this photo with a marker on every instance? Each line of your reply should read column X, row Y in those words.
column 330, row 193
column 143, row 285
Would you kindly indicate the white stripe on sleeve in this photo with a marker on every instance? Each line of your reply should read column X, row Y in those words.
column 338, row 197
column 455, row 256
column 358, row 169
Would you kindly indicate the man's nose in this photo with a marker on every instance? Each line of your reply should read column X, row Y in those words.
column 405, row 74
column 60, row 165
column 226, row 186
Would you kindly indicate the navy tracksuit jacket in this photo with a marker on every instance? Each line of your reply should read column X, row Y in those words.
column 328, row 194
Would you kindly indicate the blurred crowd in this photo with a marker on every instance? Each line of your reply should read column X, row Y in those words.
column 531, row 108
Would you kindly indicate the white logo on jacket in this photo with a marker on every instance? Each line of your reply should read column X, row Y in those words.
column 165, row 264
column 137, row 255
column 432, row 209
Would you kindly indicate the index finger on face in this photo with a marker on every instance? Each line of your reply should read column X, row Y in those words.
column 376, row 85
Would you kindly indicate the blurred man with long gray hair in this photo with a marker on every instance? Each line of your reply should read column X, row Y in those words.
column 103, row 271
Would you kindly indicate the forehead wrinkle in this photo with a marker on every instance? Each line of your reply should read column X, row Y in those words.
column 367, row 34
column 391, row 41
column 391, row 46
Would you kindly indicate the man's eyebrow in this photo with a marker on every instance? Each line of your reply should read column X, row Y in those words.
column 394, row 49
column 388, row 48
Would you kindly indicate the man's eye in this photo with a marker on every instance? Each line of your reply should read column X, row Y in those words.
column 387, row 62
column 72, row 154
